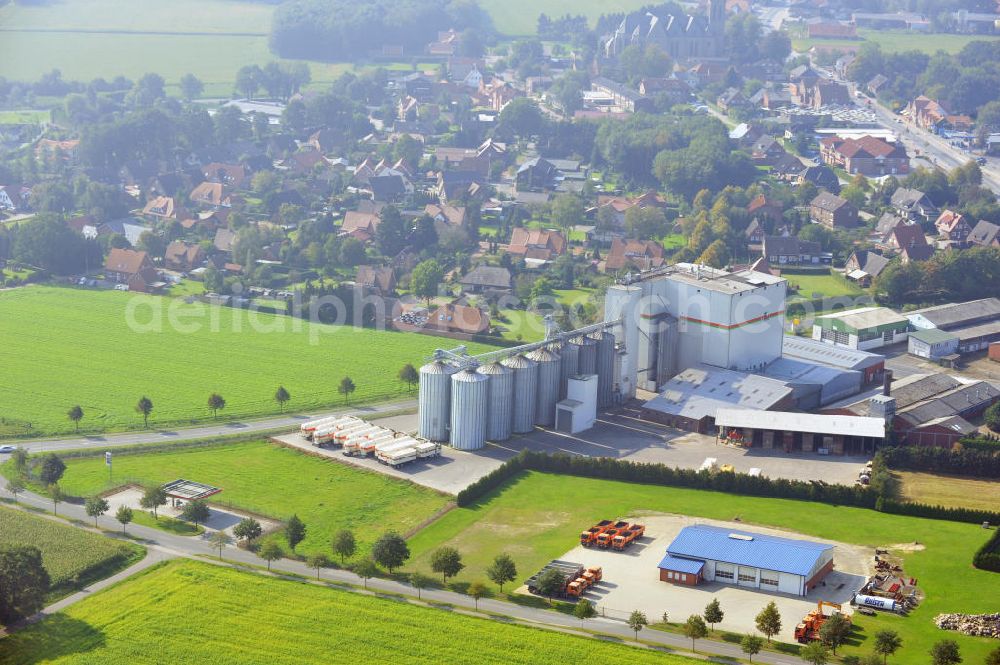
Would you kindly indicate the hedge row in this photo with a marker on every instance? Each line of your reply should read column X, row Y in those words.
column 967, row 461
column 734, row 483
column 988, row 556
column 988, row 443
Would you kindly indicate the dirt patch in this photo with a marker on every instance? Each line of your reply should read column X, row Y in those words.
column 907, row 547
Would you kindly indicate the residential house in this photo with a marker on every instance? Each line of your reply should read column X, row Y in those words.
column 876, row 84
column 622, row 97
column 916, row 252
column 914, row 205
column 64, row 150
column 619, row 205
column 985, row 234
column 766, row 150
column 380, row 279
column 360, row 225
column 457, row 184
column 487, row 279
column 801, row 81
column 304, row 161
column 536, row 174
column 326, row 141
column 183, row 256
column 886, row 223
column 459, row 318
column 14, row 198
column 126, row 266
column 536, row 244
column 870, row 156
column 863, row 266
column 466, row 71
column 822, row 176
column 754, row 234
column 164, row 207
column 953, row 227
column 389, row 188
column 673, row 89
column 931, row 115
column 230, row 175
column 418, row 85
column 211, row 195
column 633, row 254
column 905, row 236
column 448, row 43
column 733, row 99
column 224, row 239
column 789, row 250
column 766, row 208
column 445, row 216
column 832, row 211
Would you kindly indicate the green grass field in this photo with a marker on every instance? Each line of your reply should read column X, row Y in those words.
column 85, row 39
column 272, row 480
column 68, row 554
column 538, row 517
column 188, row 611
column 522, row 326
column 63, row 347
column 520, row 17
column 24, row 117
column 940, row 490
column 826, row 285
column 895, row 41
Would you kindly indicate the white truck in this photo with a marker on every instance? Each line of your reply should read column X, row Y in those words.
column 353, row 439
column 366, row 445
column 428, row 449
column 327, row 424
column 346, row 431
column 399, row 456
column 403, row 443
column 327, row 432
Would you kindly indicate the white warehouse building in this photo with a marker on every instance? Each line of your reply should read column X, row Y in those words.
column 687, row 315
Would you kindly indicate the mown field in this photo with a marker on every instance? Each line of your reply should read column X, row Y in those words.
column 68, row 554
column 190, row 612
column 827, row 285
column 63, row 347
column 896, row 41
column 954, row 491
column 520, row 17
column 85, row 39
column 272, row 480
column 538, row 517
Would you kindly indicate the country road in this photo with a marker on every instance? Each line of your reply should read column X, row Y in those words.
column 162, row 545
column 290, row 421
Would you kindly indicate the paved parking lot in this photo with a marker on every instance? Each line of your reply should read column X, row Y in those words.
column 631, row 580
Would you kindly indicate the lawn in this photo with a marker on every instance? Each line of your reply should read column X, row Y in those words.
column 63, row 347
column 522, row 326
column 520, row 17
column 69, row 554
column 85, row 39
column 827, row 285
column 149, row 619
column 272, row 480
column 538, row 517
column 894, row 41
column 24, row 117
column 953, row 491
column 570, row 297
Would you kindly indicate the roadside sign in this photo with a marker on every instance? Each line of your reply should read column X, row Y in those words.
column 107, row 458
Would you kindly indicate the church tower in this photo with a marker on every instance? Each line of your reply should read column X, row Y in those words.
column 717, row 16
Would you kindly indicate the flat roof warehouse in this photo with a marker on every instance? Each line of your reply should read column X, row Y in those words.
column 742, row 548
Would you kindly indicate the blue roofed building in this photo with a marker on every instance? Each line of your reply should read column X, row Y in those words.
column 703, row 553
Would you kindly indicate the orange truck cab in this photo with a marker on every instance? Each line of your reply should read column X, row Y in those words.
column 589, row 537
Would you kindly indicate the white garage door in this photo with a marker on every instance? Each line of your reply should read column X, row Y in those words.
column 747, row 577
column 725, row 573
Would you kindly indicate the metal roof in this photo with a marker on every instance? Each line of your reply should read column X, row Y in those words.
column 681, row 565
column 813, row 350
column 956, row 314
column 932, row 336
column 866, row 317
column 698, row 392
column 189, row 490
column 743, row 548
column 801, row 422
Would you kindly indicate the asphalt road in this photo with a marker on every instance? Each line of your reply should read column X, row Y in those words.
column 164, row 546
column 290, row 421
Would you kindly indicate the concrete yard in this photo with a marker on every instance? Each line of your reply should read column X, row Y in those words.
column 617, row 434
column 219, row 519
column 631, row 580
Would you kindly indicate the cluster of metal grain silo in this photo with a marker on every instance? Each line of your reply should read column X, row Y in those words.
column 570, row 366
column 549, row 375
column 587, row 363
column 500, row 415
column 469, row 408
column 525, row 373
column 605, row 362
column 435, row 400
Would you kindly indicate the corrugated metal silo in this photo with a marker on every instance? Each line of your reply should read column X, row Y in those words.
column 570, row 366
column 434, row 400
column 469, row 404
column 548, row 385
column 605, row 366
column 500, row 413
column 525, row 392
column 588, row 355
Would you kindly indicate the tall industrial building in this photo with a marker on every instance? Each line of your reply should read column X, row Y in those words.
column 686, row 315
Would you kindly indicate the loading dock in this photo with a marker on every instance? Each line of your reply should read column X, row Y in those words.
column 804, row 432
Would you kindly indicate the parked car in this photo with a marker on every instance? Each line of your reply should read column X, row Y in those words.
column 6, row 449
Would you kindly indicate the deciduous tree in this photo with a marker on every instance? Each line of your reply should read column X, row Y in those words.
column 887, row 642
column 419, row 581
column 502, row 570
column 153, row 497
column 318, row 561
column 295, row 531
column 124, row 516
column 478, row 590
column 215, row 403
column 390, row 551
column 76, row 415
column 270, row 551
column 281, row 396
column 694, row 629
column 945, row 652
column 408, row 374
column 52, row 469
column 145, row 407
column 751, row 645
column 815, row 653
column 24, row 582
column 219, row 539
column 447, row 561
column 346, row 387
column 196, row 512
column 584, row 610
column 426, row 277
column 637, row 621
column 248, row 529
column 95, row 507
column 344, row 544
column 713, row 613
column 769, row 621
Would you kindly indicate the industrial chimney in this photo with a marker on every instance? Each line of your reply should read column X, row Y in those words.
column 887, row 382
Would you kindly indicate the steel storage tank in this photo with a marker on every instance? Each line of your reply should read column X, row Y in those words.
column 605, row 366
column 570, row 354
column 469, row 402
column 525, row 392
column 548, row 385
column 588, row 355
column 500, row 414
column 434, row 400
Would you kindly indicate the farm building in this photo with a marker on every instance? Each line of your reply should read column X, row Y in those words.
column 703, row 553
column 871, row 365
column 932, row 344
column 862, row 328
column 969, row 326
column 806, row 432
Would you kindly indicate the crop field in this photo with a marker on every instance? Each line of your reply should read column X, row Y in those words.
column 272, row 480
column 85, row 39
column 939, row 490
column 896, row 41
column 93, row 357
column 149, row 619
column 520, row 17
column 68, row 553
column 538, row 517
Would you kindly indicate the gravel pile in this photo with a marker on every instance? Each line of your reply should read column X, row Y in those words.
column 981, row 625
